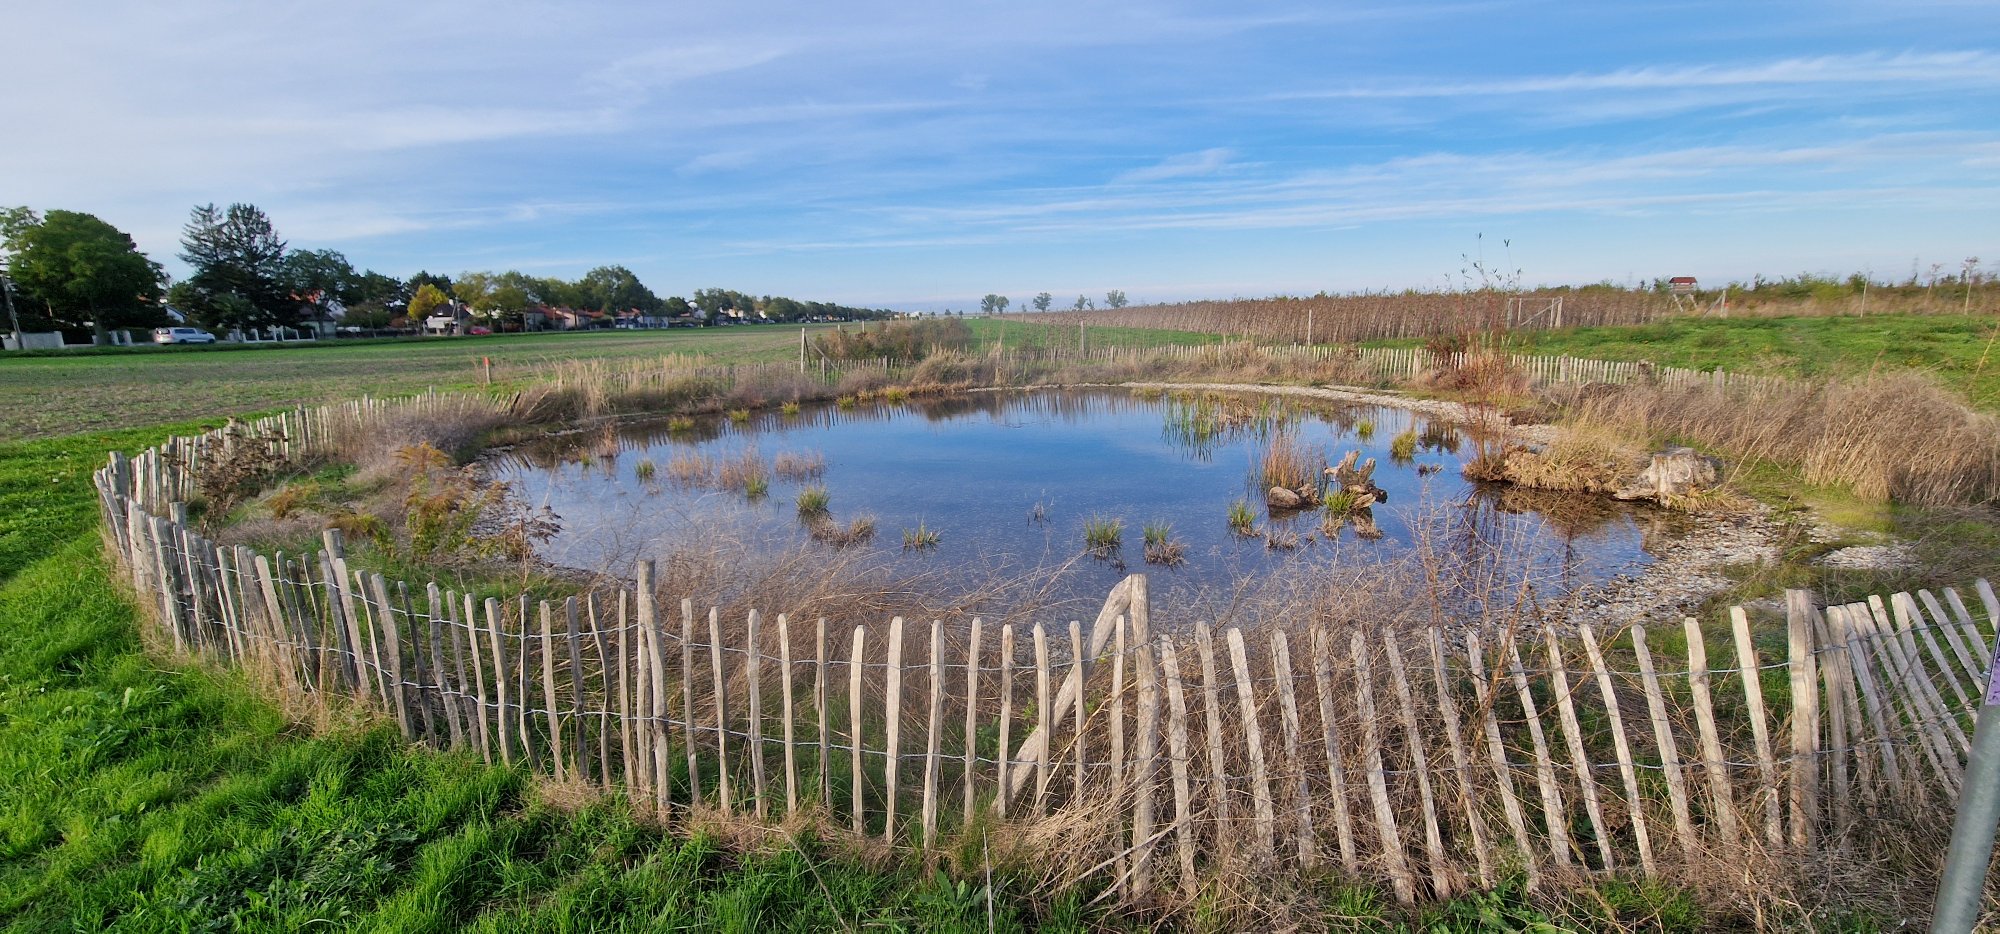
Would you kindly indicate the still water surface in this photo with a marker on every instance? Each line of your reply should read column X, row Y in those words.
column 1008, row 480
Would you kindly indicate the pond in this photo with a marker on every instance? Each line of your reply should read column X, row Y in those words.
column 1008, row 482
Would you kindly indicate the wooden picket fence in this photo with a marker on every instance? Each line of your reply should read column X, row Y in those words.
column 1434, row 759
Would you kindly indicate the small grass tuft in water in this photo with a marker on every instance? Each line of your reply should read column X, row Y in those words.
column 920, row 538
column 797, row 466
column 1364, row 429
column 739, row 416
column 846, row 402
column 1403, row 446
column 813, row 501
column 1242, row 520
column 895, row 394
column 645, row 469
column 1102, row 536
column 1161, row 546
column 832, row 533
column 789, row 408
column 679, row 424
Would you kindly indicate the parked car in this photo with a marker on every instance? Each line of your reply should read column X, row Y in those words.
column 182, row 336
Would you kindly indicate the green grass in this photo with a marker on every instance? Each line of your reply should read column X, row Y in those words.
column 48, row 396
column 1032, row 335
column 1103, row 535
column 142, row 795
column 1947, row 346
column 813, row 501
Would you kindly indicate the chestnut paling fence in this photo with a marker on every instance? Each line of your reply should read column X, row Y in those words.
column 1433, row 759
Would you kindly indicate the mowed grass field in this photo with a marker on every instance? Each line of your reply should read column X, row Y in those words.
column 51, row 396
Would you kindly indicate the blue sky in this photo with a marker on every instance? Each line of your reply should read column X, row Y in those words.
column 921, row 155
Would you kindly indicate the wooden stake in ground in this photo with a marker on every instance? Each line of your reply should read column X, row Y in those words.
column 1177, row 753
column 1663, row 739
column 1400, row 877
column 1627, row 774
column 1461, row 764
column 1722, row 799
column 971, row 714
column 857, row 810
column 753, row 675
column 1253, row 742
column 1420, row 767
column 1805, row 717
column 1486, row 688
column 892, row 750
column 785, row 692
column 1002, row 760
column 1288, row 709
column 1218, row 775
column 1573, row 738
column 723, row 792
column 1330, row 737
column 933, row 735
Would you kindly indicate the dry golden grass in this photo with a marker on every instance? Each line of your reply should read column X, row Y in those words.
column 1894, row 437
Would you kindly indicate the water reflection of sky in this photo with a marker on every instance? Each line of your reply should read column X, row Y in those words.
column 973, row 468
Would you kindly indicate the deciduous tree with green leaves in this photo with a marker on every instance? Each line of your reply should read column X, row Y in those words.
column 1043, row 300
column 76, row 272
column 993, row 304
column 1115, row 298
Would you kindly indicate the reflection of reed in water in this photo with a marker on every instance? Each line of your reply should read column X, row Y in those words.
column 1199, row 424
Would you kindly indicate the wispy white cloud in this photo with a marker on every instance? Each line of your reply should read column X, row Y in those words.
column 1929, row 68
column 1187, row 165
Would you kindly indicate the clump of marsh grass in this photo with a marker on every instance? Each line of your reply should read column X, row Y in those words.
column 860, row 529
column 1161, row 545
column 1102, row 536
column 745, row 472
column 1287, row 464
column 1242, row 520
column 1403, row 446
column 789, row 408
column 920, row 538
column 691, row 469
column 813, row 502
column 645, row 470
column 739, row 416
column 1364, row 429
column 799, row 465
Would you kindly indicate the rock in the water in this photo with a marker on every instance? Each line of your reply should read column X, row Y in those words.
column 1673, row 472
column 1281, row 498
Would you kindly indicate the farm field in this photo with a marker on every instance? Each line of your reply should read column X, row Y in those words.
column 1962, row 351
column 50, row 396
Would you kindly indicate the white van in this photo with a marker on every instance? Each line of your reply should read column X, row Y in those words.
column 182, row 336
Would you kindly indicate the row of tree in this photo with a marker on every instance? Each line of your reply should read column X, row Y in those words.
column 73, row 272
column 994, row 304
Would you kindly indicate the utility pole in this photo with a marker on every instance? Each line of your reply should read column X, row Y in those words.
column 13, row 317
